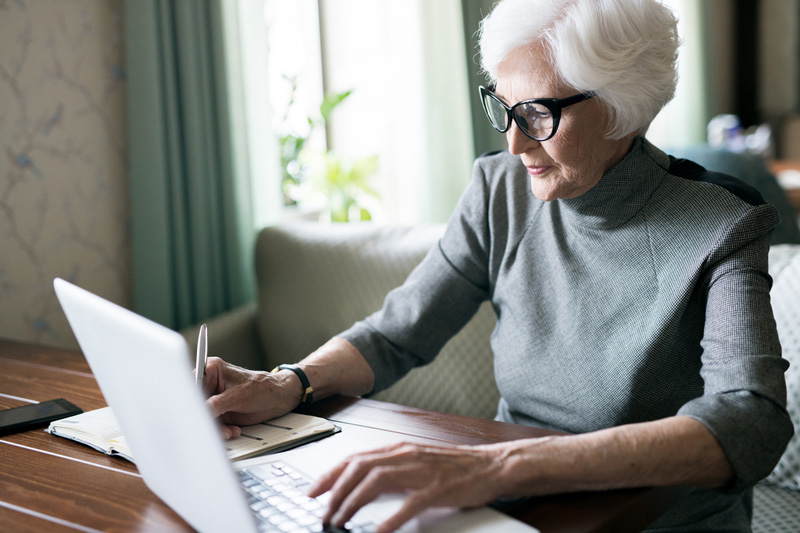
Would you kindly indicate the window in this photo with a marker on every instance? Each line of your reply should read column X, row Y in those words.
column 404, row 63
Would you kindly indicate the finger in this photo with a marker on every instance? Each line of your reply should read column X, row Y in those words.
column 326, row 481
column 214, row 365
column 234, row 407
column 228, row 385
column 220, row 404
column 414, row 504
column 350, row 476
column 357, row 466
column 230, row 431
column 438, row 476
column 344, row 505
column 379, row 480
column 213, row 380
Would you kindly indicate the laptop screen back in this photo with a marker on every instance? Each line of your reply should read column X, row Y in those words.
column 144, row 372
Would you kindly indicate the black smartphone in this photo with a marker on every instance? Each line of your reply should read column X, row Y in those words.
column 38, row 414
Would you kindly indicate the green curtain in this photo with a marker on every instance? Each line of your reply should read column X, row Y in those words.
column 191, row 223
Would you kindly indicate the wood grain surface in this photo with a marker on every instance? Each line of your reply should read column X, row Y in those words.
column 49, row 483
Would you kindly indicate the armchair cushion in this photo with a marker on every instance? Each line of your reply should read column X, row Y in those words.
column 775, row 510
column 776, row 501
column 315, row 281
column 785, row 294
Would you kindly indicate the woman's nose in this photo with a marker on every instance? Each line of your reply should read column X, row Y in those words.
column 518, row 142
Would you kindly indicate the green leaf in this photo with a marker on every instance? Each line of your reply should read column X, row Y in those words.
column 330, row 102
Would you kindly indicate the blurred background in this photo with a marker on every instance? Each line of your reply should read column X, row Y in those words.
column 145, row 142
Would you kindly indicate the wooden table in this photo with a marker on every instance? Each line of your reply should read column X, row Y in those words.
column 52, row 484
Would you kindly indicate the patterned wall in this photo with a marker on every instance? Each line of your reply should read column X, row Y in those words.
column 63, row 182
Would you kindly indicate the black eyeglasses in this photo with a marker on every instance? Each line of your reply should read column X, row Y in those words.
column 538, row 118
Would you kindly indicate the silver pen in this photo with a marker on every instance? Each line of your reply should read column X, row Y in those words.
column 202, row 355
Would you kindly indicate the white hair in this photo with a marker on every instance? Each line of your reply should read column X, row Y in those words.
column 626, row 51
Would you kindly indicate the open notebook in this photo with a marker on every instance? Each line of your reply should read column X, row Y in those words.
column 100, row 430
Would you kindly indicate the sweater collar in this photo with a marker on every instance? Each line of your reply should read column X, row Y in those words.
column 622, row 191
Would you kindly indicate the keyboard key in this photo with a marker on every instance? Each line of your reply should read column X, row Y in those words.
column 260, row 472
column 308, row 520
column 268, row 511
column 295, row 513
column 276, row 519
column 288, row 525
column 275, row 500
column 284, row 507
column 311, row 504
column 260, row 505
column 276, row 494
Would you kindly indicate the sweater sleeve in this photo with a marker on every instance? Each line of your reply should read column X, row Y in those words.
column 744, row 400
column 437, row 299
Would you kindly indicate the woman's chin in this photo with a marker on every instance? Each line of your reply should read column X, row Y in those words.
column 544, row 191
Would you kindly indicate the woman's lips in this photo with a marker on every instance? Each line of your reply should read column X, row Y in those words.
column 534, row 170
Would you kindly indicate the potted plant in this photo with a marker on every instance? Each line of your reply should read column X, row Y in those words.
column 343, row 184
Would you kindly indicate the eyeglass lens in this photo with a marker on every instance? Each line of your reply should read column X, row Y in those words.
column 536, row 120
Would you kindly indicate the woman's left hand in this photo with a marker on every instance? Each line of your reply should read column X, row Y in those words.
column 433, row 476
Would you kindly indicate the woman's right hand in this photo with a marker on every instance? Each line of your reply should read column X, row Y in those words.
column 241, row 397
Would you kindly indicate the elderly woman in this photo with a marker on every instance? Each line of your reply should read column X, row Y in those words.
column 631, row 293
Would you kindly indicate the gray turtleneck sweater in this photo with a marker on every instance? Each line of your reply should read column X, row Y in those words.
column 645, row 297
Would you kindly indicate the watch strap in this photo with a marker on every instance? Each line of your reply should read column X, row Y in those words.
column 308, row 390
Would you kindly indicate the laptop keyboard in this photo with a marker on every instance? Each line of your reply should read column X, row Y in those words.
column 277, row 495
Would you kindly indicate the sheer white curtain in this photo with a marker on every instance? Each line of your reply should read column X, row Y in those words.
column 405, row 63
column 683, row 121
column 252, row 135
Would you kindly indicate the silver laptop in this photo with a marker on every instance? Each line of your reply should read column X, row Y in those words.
column 145, row 374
